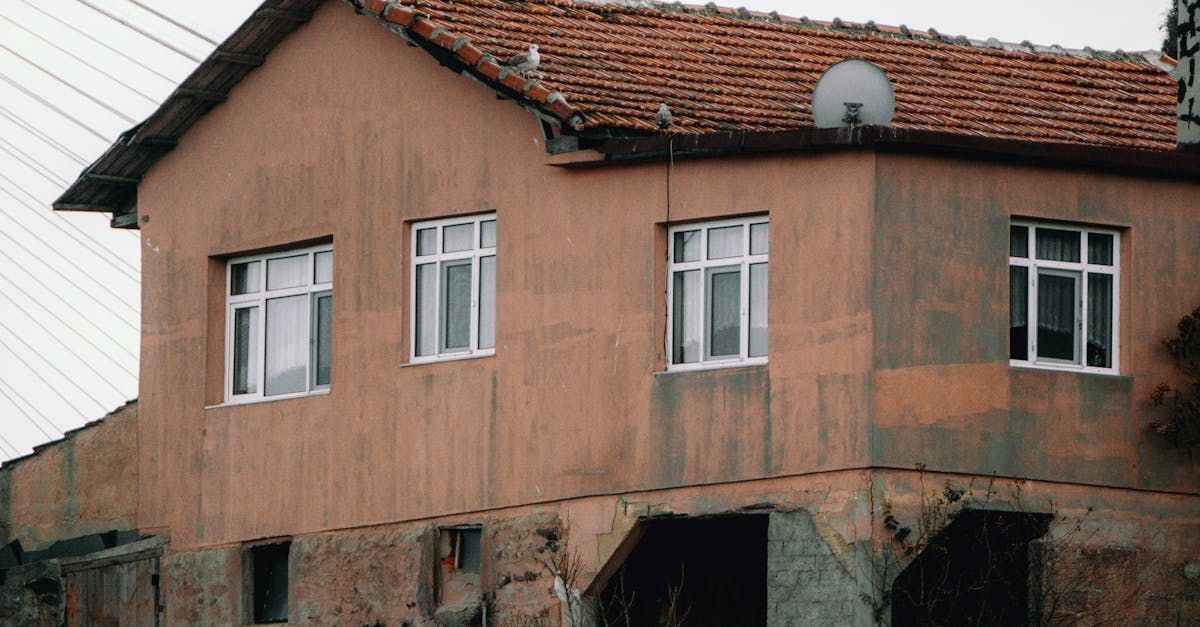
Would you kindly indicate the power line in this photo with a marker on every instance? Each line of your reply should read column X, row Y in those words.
column 31, row 163
column 107, row 255
column 13, row 451
column 64, row 277
column 84, row 61
column 101, row 284
column 132, row 273
column 30, row 369
column 101, row 43
column 137, row 30
column 62, row 374
column 70, row 350
column 107, row 107
column 25, row 413
column 72, row 329
column 171, row 21
column 81, row 315
column 50, row 141
column 53, row 108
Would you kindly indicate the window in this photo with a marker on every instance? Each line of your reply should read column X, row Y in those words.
column 456, row 574
column 464, row 548
column 1063, row 286
column 267, row 582
column 278, row 324
column 454, row 288
column 717, row 290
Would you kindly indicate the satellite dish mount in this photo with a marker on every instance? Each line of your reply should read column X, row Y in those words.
column 853, row 92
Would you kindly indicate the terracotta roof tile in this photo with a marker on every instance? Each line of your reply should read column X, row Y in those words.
column 725, row 69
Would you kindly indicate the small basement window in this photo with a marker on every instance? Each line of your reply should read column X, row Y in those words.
column 462, row 548
column 268, row 582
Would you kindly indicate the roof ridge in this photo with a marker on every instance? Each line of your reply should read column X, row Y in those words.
column 1146, row 57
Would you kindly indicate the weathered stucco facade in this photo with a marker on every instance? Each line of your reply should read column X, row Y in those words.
column 888, row 351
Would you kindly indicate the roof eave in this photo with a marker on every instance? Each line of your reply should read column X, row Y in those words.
column 1173, row 164
column 109, row 184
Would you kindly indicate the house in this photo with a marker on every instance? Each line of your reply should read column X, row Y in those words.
column 477, row 346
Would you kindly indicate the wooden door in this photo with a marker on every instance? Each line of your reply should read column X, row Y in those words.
column 114, row 591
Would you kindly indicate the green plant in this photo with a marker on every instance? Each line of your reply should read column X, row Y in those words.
column 1181, row 403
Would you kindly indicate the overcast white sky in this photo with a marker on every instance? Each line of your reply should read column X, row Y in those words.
column 69, row 297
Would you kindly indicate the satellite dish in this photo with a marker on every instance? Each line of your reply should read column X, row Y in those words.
column 853, row 92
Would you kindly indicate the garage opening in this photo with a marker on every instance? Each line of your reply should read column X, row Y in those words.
column 691, row 571
column 975, row 571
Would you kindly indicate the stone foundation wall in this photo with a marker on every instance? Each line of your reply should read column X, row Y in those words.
column 813, row 576
column 825, row 550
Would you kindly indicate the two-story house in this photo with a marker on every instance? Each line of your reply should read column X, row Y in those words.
column 492, row 344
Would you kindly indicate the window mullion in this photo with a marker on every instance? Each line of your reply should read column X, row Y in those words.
column 700, row 317
column 473, row 327
column 229, row 324
column 1082, row 304
column 744, row 304
column 1031, row 319
column 261, row 349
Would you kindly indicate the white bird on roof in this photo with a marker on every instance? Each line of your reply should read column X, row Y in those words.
column 524, row 62
column 662, row 117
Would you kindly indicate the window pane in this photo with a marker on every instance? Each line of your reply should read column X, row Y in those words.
column 1057, row 317
column 1057, row 245
column 1018, row 312
column 287, row 344
column 1100, row 248
column 1100, row 315
column 456, row 305
column 687, row 245
column 468, row 550
column 725, row 242
column 487, row 234
column 323, row 267
column 287, row 272
column 724, row 312
column 245, row 350
column 758, row 308
column 458, row 237
column 426, row 242
column 687, row 292
column 244, row 278
column 487, row 302
column 322, row 343
column 1018, row 241
column 426, row 308
column 759, row 238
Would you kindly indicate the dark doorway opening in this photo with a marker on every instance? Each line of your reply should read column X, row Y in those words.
column 691, row 571
column 974, row 572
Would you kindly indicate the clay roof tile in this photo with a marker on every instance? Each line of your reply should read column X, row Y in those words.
column 722, row 69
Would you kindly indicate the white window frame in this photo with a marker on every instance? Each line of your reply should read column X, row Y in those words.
column 705, row 266
column 473, row 254
column 259, row 299
column 1080, row 272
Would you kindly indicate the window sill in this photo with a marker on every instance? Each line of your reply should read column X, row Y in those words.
column 424, row 361
column 268, row 399
column 713, row 366
column 1102, row 372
